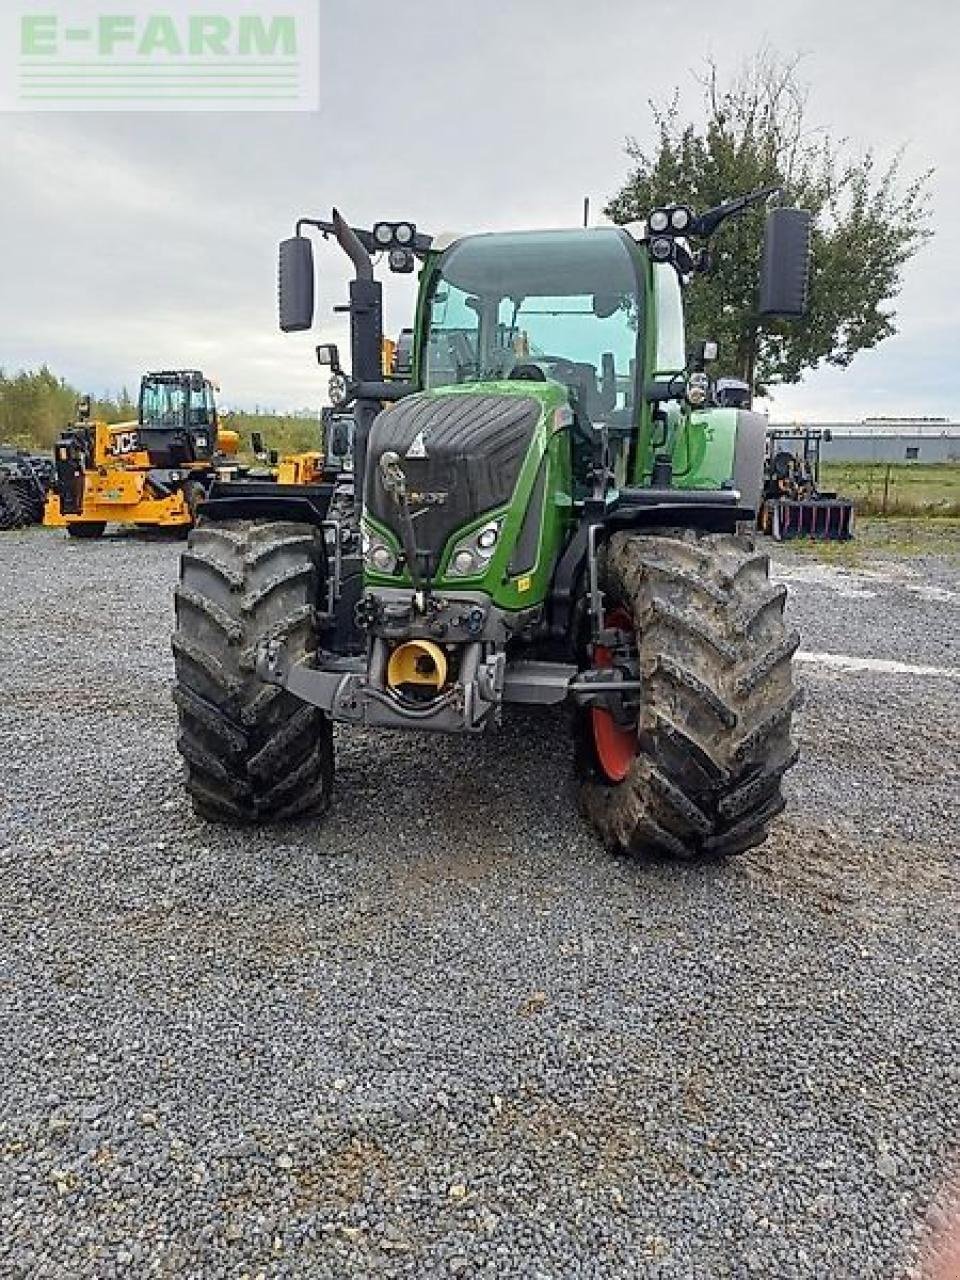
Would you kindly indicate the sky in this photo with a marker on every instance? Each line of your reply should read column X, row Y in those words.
column 133, row 241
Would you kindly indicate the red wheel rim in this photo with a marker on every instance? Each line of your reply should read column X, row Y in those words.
column 614, row 746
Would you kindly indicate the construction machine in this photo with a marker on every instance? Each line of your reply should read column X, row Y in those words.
column 793, row 504
column 547, row 509
column 152, row 473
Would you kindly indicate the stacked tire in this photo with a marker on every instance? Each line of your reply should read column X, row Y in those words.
column 15, row 511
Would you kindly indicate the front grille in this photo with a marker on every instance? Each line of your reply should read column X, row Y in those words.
column 473, row 447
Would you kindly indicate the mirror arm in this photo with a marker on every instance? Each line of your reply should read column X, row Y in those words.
column 708, row 222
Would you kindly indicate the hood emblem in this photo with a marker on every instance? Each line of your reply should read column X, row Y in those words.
column 418, row 447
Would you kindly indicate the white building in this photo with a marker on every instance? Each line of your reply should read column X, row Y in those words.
column 891, row 440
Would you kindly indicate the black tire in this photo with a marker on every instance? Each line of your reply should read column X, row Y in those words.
column 12, row 512
column 253, row 752
column 713, row 731
column 31, row 500
column 87, row 529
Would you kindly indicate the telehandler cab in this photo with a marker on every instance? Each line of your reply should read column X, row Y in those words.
column 547, row 509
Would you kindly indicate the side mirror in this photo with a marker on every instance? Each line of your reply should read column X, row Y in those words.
column 340, row 439
column 785, row 275
column 296, row 284
column 256, row 440
column 328, row 355
column 274, row 457
column 827, row 435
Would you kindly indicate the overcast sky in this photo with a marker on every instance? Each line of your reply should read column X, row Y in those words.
column 137, row 240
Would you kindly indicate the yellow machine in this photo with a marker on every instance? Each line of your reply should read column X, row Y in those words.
column 153, row 472
column 300, row 468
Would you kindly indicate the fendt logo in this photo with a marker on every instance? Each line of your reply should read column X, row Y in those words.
column 185, row 55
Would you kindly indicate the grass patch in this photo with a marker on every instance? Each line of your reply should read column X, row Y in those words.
column 897, row 489
column 895, row 536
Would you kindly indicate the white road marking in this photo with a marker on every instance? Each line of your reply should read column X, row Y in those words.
column 882, row 666
column 863, row 582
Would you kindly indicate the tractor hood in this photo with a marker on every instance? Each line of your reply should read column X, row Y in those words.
column 461, row 454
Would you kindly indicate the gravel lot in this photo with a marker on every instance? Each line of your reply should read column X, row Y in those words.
column 444, row 1032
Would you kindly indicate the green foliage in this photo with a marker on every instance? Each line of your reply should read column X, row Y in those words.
column 870, row 220
column 35, row 406
column 286, row 432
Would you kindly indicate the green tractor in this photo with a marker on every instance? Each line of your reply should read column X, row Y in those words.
column 545, row 506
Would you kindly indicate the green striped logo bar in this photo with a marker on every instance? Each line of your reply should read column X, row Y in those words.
column 182, row 55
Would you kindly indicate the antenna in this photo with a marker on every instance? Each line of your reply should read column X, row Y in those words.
column 586, row 211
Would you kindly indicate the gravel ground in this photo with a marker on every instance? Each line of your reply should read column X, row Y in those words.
column 444, row 1032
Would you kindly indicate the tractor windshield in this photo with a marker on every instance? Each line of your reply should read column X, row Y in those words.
column 564, row 305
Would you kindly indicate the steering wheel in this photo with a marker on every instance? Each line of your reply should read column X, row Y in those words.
column 526, row 373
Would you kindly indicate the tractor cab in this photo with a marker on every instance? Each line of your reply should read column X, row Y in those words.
column 551, row 315
column 560, row 306
column 177, row 417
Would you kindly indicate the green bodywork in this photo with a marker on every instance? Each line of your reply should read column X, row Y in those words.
column 700, row 442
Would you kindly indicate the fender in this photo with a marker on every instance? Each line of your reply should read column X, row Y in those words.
column 712, row 510
column 265, row 500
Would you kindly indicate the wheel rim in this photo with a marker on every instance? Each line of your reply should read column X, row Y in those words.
column 613, row 745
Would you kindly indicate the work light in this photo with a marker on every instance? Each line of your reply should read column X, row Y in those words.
column 680, row 218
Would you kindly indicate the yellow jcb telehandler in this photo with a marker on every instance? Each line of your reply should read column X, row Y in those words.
column 152, row 473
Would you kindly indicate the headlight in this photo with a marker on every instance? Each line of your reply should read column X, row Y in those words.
column 378, row 555
column 463, row 564
column 681, row 218
column 661, row 249
column 659, row 220
column 472, row 554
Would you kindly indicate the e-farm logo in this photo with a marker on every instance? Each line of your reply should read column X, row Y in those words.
column 181, row 55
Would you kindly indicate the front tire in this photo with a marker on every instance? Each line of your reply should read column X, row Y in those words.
column 712, row 739
column 253, row 752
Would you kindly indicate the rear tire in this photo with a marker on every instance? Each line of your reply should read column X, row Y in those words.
column 713, row 731
column 90, row 529
column 253, row 752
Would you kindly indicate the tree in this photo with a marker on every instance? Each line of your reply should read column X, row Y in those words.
column 869, row 220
